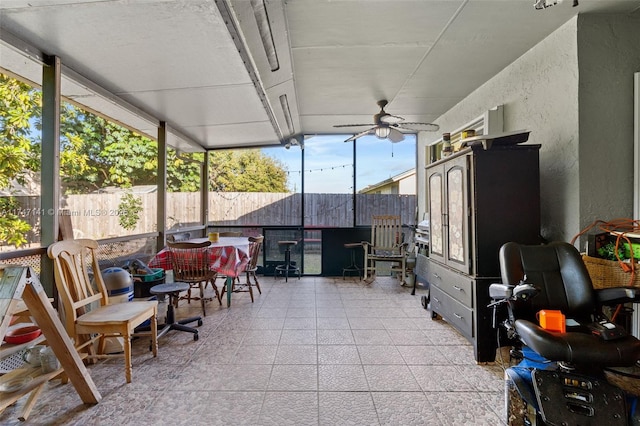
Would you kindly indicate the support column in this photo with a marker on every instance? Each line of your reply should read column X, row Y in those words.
column 204, row 189
column 50, row 164
column 162, row 185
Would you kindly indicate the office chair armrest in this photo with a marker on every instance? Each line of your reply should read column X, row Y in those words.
column 499, row 291
column 617, row 295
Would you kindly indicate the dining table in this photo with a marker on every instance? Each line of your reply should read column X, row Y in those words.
column 228, row 256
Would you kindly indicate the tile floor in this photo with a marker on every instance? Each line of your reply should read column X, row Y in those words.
column 315, row 351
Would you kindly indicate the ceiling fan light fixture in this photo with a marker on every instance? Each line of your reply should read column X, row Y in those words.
column 382, row 132
column 388, row 126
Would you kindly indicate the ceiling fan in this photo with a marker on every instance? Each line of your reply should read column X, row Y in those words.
column 389, row 126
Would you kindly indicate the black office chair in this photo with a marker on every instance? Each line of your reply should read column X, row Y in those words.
column 564, row 380
column 558, row 272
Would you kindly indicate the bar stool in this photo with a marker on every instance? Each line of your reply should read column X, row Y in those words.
column 173, row 291
column 353, row 267
column 287, row 266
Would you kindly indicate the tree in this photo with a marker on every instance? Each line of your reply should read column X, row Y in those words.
column 19, row 104
column 246, row 171
column 95, row 153
column 183, row 171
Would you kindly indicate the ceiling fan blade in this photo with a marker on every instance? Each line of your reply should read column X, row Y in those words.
column 395, row 135
column 357, row 135
column 429, row 127
column 353, row 125
column 391, row 119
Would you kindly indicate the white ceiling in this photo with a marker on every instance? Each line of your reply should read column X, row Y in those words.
column 200, row 66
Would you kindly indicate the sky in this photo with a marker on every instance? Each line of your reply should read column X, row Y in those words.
column 328, row 162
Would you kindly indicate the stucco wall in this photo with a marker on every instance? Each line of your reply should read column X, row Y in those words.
column 539, row 92
column 608, row 54
column 563, row 104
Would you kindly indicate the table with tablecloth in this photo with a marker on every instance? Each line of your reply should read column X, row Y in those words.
column 228, row 256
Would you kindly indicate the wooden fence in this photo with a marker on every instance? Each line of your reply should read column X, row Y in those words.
column 97, row 215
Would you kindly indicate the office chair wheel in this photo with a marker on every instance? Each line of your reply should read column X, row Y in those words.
column 195, row 337
column 199, row 323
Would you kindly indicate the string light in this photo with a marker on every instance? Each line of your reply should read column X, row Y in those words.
column 321, row 169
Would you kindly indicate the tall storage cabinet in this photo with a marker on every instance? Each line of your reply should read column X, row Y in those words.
column 478, row 200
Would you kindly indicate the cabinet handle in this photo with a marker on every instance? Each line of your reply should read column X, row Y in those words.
column 457, row 316
column 457, row 288
column 436, row 299
column 436, row 276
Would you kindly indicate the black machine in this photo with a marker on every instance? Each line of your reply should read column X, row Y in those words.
column 560, row 378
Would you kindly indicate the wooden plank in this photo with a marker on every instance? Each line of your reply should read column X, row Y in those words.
column 65, row 225
column 31, row 402
column 38, row 379
column 59, row 341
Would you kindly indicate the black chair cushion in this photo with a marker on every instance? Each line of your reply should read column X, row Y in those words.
column 579, row 347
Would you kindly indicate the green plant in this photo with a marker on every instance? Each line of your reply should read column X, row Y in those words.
column 13, row 229
column 608, row 251
column 129, row 210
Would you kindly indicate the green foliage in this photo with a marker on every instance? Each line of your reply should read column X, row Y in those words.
column 246, row 171
column 12, row 228
column 19, row 103
column 95, row 153
column 129, row 210
column 608, row 251
column 183, row 171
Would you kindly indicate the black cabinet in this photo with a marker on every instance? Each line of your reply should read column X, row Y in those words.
column 478, row 200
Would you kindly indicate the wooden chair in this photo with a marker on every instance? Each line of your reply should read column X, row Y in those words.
column 84, row 321
column 386, row 245
column 191, row 265
column 180, row 236
column 255, row 244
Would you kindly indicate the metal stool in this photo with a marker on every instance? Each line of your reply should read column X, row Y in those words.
column 287, row 266
column 173, row 291
column 353, row 267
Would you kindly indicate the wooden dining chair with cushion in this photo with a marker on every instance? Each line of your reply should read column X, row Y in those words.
column 180, row 236
column 191, row 265
column 255, row 245
column 89, row 318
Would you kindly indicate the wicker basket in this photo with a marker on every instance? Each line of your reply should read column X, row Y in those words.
column 606, row 273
